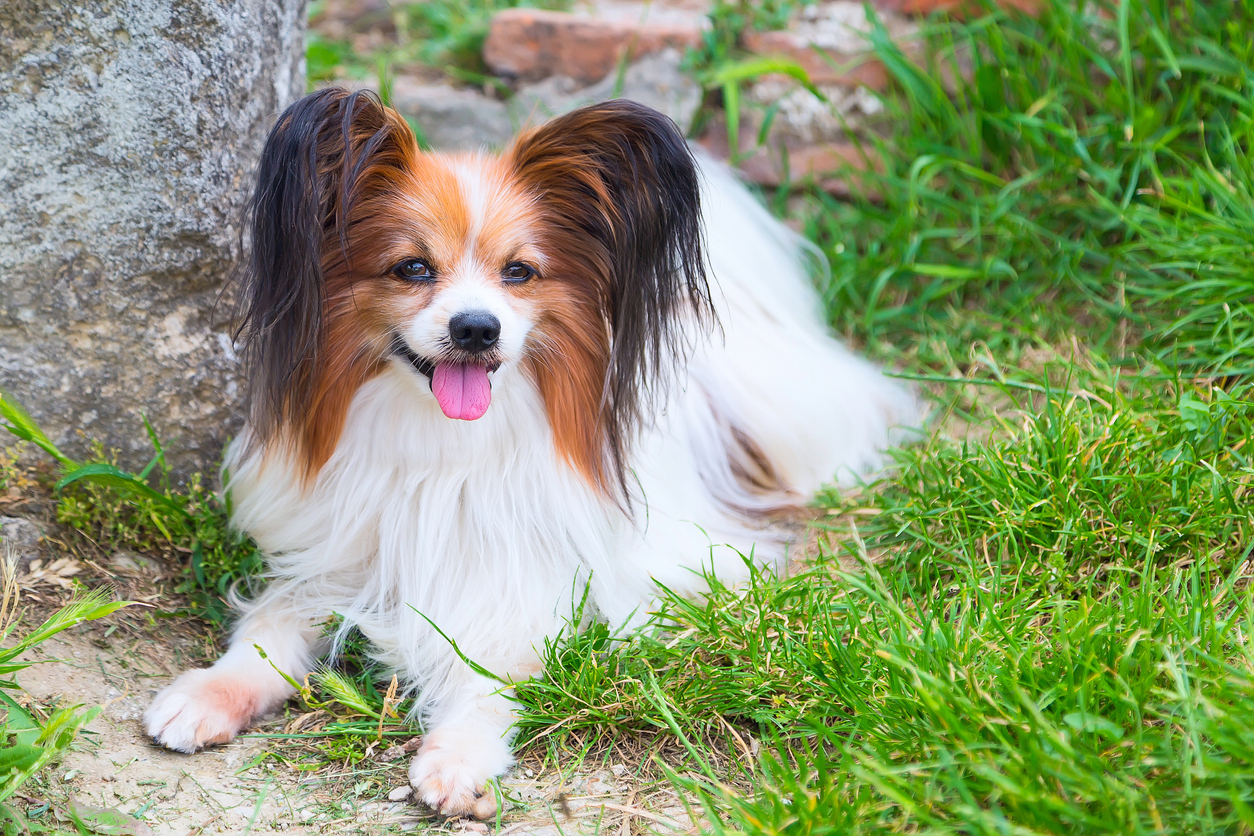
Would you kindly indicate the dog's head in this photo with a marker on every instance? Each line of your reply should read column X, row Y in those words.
column 572, row 258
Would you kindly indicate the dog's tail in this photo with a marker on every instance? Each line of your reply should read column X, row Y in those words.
column 800, row 403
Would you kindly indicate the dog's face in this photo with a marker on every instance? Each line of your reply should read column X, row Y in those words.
column 450, row 275
column 571, row 260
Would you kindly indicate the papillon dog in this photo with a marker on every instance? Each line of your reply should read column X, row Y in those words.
column 481, row 386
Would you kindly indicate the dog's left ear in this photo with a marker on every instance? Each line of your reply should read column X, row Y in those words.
column 618, row 188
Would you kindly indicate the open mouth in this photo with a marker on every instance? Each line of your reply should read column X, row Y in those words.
column 460, row 385
column 423, row 365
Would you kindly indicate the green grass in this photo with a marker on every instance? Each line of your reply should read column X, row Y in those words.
column 189, row 524
column 721, row 64
column 444, row 33
column 1052, row 638
column 1092, row 176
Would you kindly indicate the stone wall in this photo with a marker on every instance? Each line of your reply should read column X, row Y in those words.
column 128, row 133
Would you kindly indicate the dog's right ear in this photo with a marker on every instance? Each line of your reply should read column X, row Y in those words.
column 326, row 152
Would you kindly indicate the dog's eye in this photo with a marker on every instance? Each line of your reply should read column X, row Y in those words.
column 517, row 272
column 414, row 270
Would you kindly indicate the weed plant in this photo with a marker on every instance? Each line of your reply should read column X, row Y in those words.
column 30, row 739
column 443, row 33
column 721, row 64
column 731, row 19
column 115, row 509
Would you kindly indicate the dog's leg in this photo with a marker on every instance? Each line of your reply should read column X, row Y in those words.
column 465, row 747
column 212, row 705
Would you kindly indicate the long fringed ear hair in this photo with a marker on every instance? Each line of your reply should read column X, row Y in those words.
column 326, row 153
column 618, row 189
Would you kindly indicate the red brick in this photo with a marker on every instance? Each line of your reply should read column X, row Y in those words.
column 832, row 166
column 532, row 44
column 823, row 67
column 923, row 7
column 829, row 166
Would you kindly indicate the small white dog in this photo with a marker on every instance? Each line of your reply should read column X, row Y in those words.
column 479, row 383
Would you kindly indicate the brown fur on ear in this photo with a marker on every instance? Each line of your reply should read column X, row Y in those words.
column 617, row 190
column 328, row 153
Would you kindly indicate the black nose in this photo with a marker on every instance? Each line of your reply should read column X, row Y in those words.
column 474, row 331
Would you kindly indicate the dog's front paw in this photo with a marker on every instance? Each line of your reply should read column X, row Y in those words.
column 203, row 707
column 451, row 771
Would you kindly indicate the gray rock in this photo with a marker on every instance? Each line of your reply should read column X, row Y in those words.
column 655, row 80
column 21, row 538
column 465, row 119
column 805, row 118
column 133, row 563
column 453, row 118
column 128, row 133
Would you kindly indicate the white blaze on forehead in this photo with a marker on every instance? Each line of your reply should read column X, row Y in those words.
column 477, row 194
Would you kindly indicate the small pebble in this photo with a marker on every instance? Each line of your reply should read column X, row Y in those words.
column 400, row 794
column 618, row 769
column 477, row 826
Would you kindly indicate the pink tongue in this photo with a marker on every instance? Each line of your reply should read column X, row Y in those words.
column 462, row 389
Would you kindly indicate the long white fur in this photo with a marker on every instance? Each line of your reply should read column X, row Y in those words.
column 483, row 529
